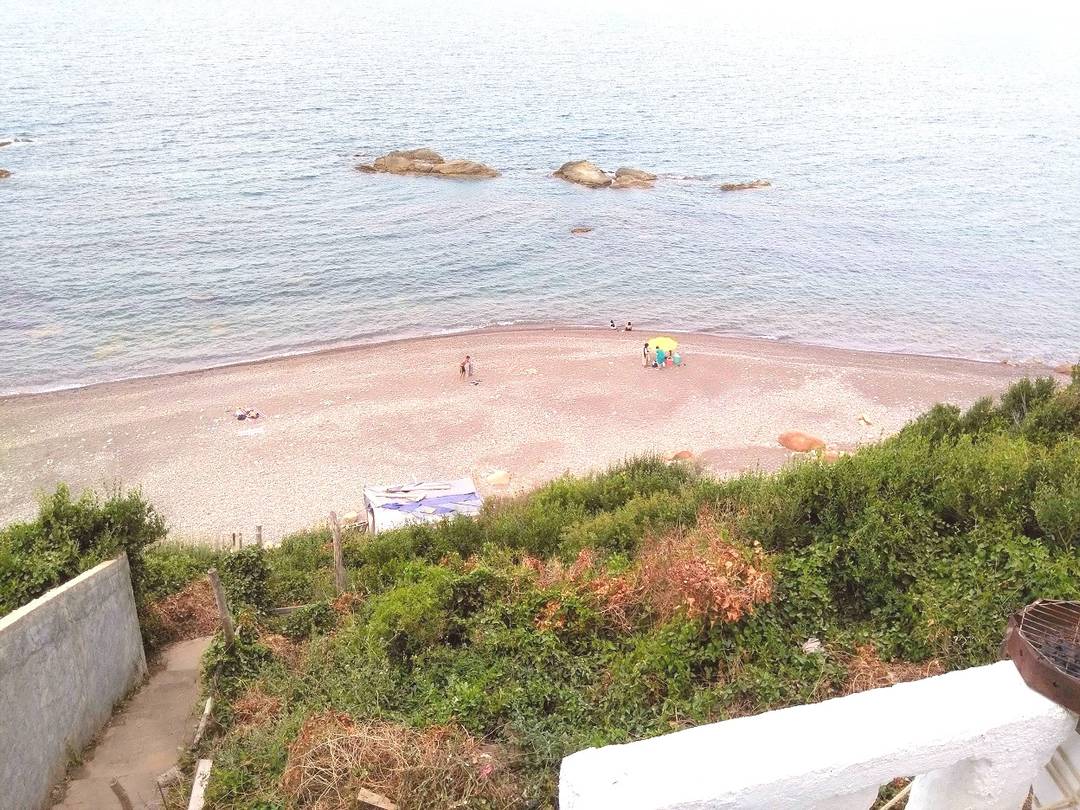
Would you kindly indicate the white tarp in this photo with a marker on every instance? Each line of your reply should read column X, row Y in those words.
column 427, row 502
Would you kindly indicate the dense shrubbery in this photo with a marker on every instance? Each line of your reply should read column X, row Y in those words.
column 644, row 599
column 71, row 536
column 632, row 603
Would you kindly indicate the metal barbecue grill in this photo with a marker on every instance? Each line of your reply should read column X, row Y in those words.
column 1043, row 640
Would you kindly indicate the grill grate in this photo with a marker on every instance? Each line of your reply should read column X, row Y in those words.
column 1043, row 641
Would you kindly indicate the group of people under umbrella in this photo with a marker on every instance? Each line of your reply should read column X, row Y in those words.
column 661, row 351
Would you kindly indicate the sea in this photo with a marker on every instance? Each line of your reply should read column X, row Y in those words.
column 183, row 191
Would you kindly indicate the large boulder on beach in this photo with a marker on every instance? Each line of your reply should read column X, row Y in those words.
column 799, row 442
column 426, row 161
column 4, row 173
column 584, row 173
column 626, row 177
column 744, row 186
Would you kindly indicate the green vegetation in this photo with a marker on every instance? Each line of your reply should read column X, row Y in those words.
column 632, row 603
column 69, row 537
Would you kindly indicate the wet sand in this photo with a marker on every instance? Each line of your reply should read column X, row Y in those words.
column 548, row 400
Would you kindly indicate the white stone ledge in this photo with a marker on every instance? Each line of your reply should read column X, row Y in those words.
column 980, row 735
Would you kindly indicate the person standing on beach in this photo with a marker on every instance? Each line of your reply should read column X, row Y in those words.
column 468, row 366
column 646, row 356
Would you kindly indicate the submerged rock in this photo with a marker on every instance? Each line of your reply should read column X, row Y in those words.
column 426, row 161
column 800, row 442
column 4, row 173
column 584, row 173
column 742, row 186
column 626, row 177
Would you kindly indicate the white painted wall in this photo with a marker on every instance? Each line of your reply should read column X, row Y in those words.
column 65, row 660
column 978, row 736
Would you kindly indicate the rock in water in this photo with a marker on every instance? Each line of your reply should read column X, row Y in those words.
column 426, row 161
column 4, row 173
column 626, row 177
column 463, row 168
column 5, row 143
column 584, row 173
column 581, row 229
column 742, row 186
column 800, row 442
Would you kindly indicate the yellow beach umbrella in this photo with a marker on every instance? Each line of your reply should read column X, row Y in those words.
column 665, row 343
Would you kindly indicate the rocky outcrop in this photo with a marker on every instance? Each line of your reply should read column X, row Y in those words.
column 800, row 442
column 5, row 143
column 626, row 177
column 426, row 161
column 581, row 229
column 584, row 173
column 4, row 173
column 743, row 186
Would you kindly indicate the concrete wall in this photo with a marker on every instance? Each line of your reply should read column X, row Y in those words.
column 975, row 738
column 65, row 660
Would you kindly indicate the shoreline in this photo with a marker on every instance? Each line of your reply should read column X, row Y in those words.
column 353, row 345
column 547, row 401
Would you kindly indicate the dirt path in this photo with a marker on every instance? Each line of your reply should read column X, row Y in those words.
column 143, row 738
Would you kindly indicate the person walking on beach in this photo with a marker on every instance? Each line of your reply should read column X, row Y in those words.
column 646, row 356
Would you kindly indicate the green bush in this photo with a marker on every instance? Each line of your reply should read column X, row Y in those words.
column 245, row 576
column 71, row 536
column 309, row 620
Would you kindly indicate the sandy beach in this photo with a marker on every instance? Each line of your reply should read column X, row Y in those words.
column 547, row 401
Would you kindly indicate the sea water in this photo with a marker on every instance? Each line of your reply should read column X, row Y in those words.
column 184, row 195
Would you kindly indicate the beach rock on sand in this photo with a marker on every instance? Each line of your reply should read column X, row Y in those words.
column 1064, row 368
column 4, row 173
column 581, row 229
column 498, row 478
column 800, row 442
column 626, row 177
column 426, row 161
column 584, row 173
column 743, row 186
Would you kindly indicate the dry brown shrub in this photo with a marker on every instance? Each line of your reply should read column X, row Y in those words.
column 255, row 708
column 189, row 613
column 347, row 602
column 866, row 670
column 702, row 573
column 333, row 757
column 285, row 649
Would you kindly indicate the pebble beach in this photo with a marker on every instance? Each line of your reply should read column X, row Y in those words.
column 546, row 401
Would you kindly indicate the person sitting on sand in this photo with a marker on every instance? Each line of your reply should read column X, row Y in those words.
column 613, row 326
column 676, row 358
column 629, row 327
column 646, row 356
column 661, row 355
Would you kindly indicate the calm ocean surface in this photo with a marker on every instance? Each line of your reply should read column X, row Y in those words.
column 188, row 198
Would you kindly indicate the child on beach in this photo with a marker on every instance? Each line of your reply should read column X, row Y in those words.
column 613, row 326
column 629, row 327
column 661, row 356
column 466, row 367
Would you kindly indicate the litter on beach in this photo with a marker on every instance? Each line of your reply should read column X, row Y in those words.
column 431, row 501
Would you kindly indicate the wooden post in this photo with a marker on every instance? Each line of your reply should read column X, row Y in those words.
column 258, row 536
column 232, row 543
column 222, row 606
column 339, row 559
column 240, row 537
